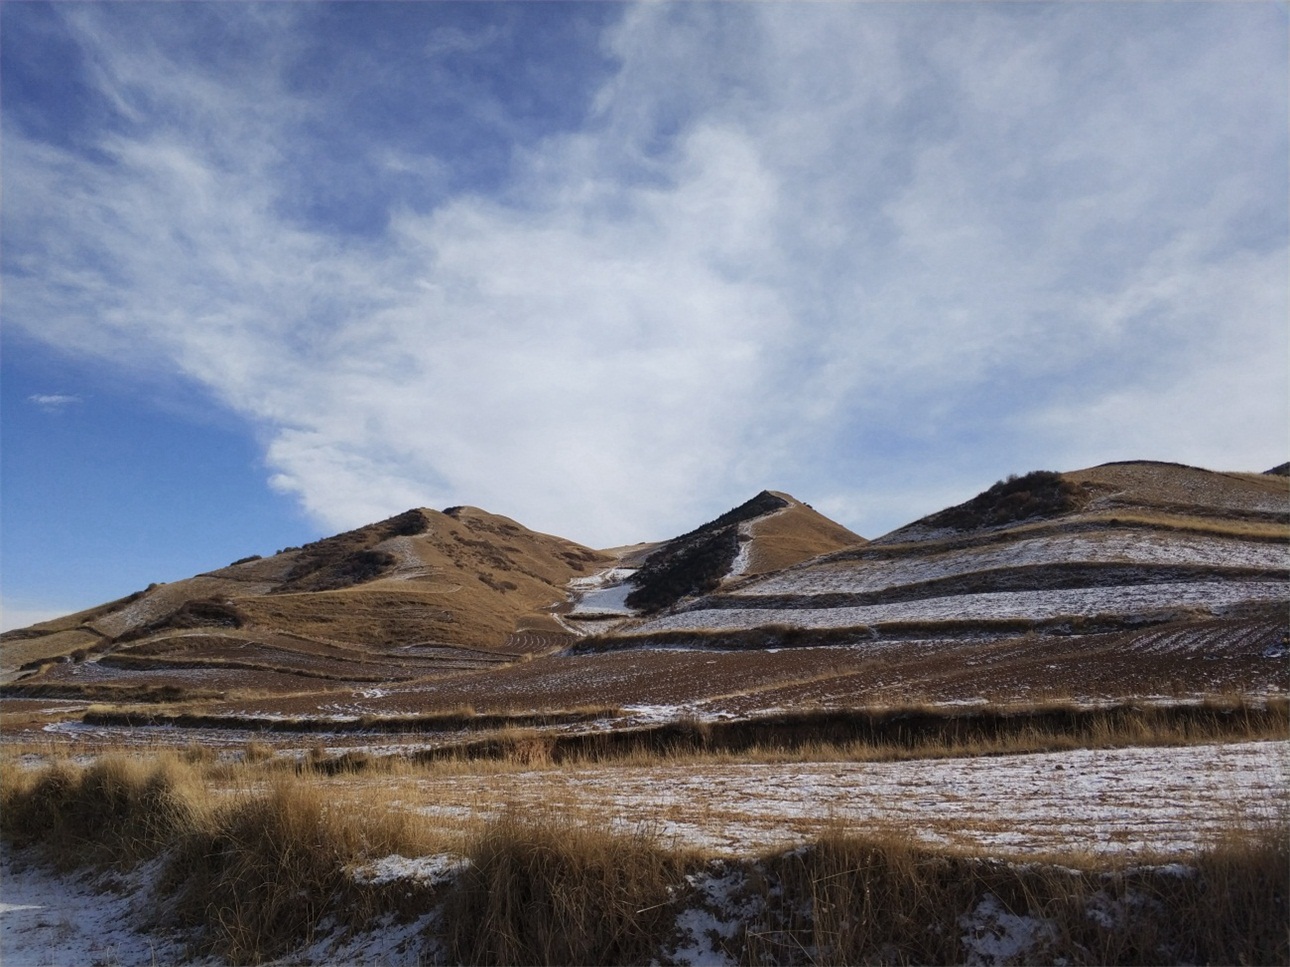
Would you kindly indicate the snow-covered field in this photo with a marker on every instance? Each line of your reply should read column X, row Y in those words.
column 1036, row 605
column 1126, row 801
column 1128, row 547
column 1165, row 800
column 603, row 593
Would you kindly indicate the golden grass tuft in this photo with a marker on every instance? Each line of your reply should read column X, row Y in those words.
column 258, row 871
column 118, row 809
column 546, row 890
column 265, row 872
column 884, row 898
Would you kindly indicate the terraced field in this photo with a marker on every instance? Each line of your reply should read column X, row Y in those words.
column 1117, row 583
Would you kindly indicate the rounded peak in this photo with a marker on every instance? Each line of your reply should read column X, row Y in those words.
column 465, row 510
column 782, row 495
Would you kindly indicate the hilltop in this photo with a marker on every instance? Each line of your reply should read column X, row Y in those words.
column 423, row 592
column 771, row 531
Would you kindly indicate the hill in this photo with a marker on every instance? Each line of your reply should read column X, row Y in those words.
column 1156, row 569
column 1118, row 581
column 425, row 593
column 421, row 593
column 771, row 531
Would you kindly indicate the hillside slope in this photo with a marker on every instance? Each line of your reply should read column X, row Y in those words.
column 403, row 597
column 1123, row 580
column 1110, row 548
column 771, row 531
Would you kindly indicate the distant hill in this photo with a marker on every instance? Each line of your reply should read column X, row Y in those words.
column 1123, row 578
column 363, row 604
column 422, row 593
column 1116, row 549
column 766, row 533
column 769, row 532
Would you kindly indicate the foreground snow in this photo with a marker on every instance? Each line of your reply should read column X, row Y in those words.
column 1133, row 801
column 81, row 919
column 47, row 920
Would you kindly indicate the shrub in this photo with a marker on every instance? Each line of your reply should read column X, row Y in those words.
column 695, row 563
column 1041, row 493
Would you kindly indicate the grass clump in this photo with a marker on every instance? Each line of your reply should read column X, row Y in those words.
column 257, row 873
column 116, row 810
column 548, row 891
column 263, row 875
column 886, row 899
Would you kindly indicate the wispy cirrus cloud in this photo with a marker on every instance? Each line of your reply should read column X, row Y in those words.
column 829, row 248
column 53, row 402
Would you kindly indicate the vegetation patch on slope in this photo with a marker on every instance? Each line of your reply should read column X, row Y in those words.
column 695, row 563
column 348, row 559
column 1039, row 494
column 201, row 613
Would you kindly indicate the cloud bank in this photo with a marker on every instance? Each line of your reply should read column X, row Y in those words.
column 851, row 251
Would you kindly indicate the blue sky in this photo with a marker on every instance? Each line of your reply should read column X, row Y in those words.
column 271, row 271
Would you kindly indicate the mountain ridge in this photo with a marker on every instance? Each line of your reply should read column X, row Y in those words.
column 428, row 596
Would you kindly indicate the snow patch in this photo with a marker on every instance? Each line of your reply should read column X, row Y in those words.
column 82, row 918
column 723, row 906
column 429, row 870
column 603, row 593
column 994, row 935
column 389, row 942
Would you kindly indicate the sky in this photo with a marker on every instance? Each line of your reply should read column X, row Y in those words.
column 271, row 271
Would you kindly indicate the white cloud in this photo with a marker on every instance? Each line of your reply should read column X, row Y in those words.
column 53, row 402
column 778, row 228
column 1219, row 402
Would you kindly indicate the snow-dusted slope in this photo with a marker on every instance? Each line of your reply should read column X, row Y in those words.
column 773, row 530
column 1122, row 545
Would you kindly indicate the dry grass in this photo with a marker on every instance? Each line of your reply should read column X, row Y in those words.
column 891, row 733
column 264, row 873
column 886, row 899
column 547, row 891
column 118, row 809
column 1260, row 530
column 259, row 870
